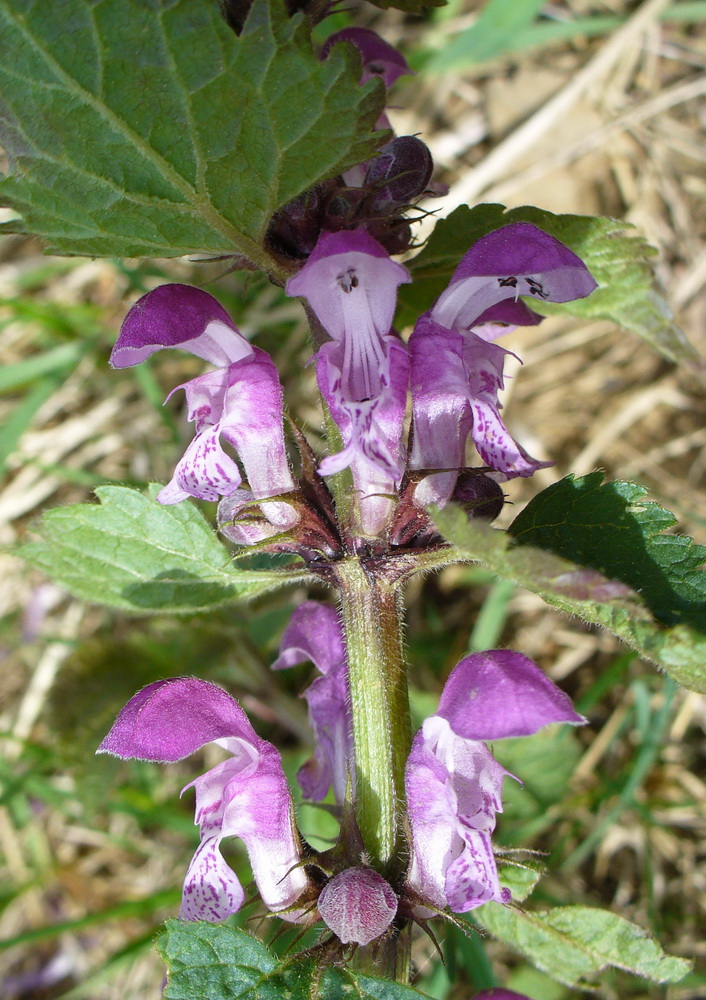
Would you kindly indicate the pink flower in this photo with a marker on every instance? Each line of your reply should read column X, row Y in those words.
column 363, row 373
column 457, row 372
column 239, row 402
column 246, row 796
column 314, row 633
column 454, row 784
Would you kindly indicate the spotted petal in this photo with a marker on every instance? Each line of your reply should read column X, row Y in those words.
column 456, row 379
column 212, row 891
column 351, row 284
column 245, row 796
column 243, row 405
column 453, row 792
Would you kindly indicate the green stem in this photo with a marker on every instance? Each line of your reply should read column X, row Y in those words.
column 372, row 621
column 371, row 609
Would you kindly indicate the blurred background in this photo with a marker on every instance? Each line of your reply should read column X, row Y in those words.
column 574, row 106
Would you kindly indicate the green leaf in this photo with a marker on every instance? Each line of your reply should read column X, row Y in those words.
column 130, row 552
column 520, row 878
column 216, row 962
column 138, row 128
column 612, row 528
column 574, row 943
column 506, row 35
column 618, row 258
column 497, row 25
column 680, row 649
column 409, row 6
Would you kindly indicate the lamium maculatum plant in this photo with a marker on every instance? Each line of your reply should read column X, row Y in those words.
column 277, row 154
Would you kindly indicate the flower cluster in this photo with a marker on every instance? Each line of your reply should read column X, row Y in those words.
column 336, row 243
column 453, row 785
column 452, row 365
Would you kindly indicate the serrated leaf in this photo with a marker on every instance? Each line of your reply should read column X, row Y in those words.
column 617, row 257
column 680, row 649
column 216, row 962
column 612, row 528
column 575, row 943
column 139, row 128
column 131, row 553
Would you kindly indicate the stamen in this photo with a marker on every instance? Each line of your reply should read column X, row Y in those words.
column 537, row 288
column 348, row 281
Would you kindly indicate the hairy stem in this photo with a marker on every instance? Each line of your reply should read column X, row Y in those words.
column 372, row 621
column 371, row 609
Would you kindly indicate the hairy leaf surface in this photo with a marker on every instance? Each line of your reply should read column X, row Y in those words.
column 222, row 963
column 679, row 649
column 612, row 528
column 573, row 944
column 138, row 128
column 131, row 553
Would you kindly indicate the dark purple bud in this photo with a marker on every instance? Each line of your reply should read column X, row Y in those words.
column 479, row 495
column 342, row 208
column 235, row 12
column 358, row 905
column 400, row 172
column 394, row 234
column 295, row 228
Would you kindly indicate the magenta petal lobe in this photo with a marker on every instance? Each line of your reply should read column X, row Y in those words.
column 314, row 633
column 501, row 693
column 178, row 316
column 379, row 58
column 155, row 726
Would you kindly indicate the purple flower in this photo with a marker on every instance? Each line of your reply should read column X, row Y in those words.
column 380, row 60
column 457, row 373
column 358, row 905
column 351, row 284
column 518, row 259
column 240, row 401
column 246, row 796
column 378, row 57
column 453, row 782
column 314, row 633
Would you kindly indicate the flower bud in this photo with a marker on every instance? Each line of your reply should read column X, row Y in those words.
column 400, row 172
column 479, row 495
column 358, row 905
